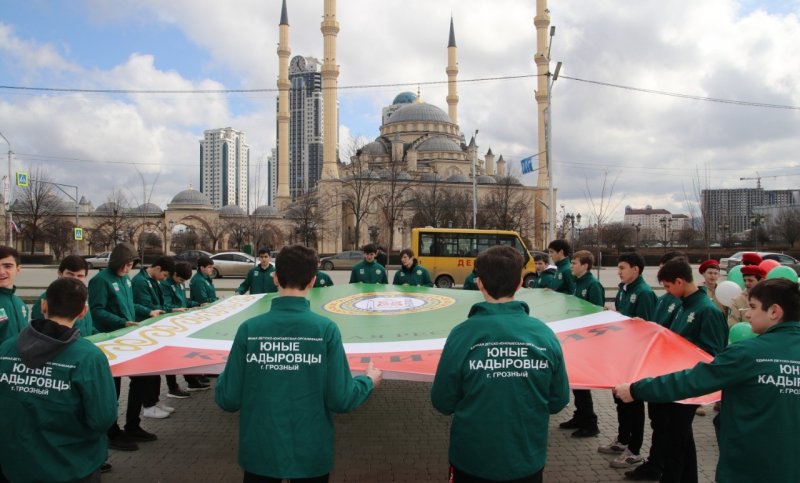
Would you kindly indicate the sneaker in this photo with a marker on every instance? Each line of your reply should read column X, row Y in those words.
column 645, row 472
column 571, row 424
column 166, row 408
column 198, row 386
column 154, row 412
column 121, row 442
column 139, row 434
column 626, row 460
column 105, row 467
column 586, row 432
column 613, row 447
column 178, row 393
column 700, row 411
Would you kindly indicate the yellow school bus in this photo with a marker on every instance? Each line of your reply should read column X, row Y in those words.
column 449, row 253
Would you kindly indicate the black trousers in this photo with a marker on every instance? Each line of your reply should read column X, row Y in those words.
column 659, row 419
column 253, row 478
column 140, row 393
column 630, row 420
column 680, row 455
column 458, row 476
column 584, row 408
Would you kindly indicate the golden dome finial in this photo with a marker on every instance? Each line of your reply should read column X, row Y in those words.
column 419, row 96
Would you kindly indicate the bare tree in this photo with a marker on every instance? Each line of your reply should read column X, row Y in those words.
column 308, row 218
column 36, row 206
column 238, row 233
column 428, row 203
column 59, row 235
column 393, row 196
column 601, row 206
column 212, row 231
column 113, row 221
column 617, row 235
column 786, row 225
column 358, row 190
column 507, row 206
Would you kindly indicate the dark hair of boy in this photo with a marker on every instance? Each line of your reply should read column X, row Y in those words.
column 671, row 256
column 6, row 252
column 633, row 259
column 167, row 264
column 408, row 252
column 585, row 257
column 560, row 246
column 73, row 263
column 183, row 270
column 675, row 269
column 369, row 248
column 121, row 255
column 499, row 269
column 295, row 266
column 204, row 261
column 66, row 297
column 781, row 292
column 541, row 257
column 262, row 251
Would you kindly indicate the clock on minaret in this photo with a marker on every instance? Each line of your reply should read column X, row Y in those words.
column 298, row 64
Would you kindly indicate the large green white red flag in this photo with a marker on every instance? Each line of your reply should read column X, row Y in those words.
column 402, row 330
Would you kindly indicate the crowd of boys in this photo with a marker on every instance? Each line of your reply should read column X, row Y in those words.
column 53, row 380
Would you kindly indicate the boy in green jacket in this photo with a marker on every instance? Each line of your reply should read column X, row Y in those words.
column 287, row 372
column 584, row 419
column 759, row 420
column 547, row 273
column 72, row 266
column 469, row 282
column 201, row 287
column 501, row 374
column 259, row 278
column 411, row 273
column 13, row 311
column 560, row 252
column 368, row 270
column 57, row 395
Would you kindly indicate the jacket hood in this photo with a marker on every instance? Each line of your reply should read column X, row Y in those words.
column 409, row 270
column 551, row 269
column 486, row 308
column 43, row 340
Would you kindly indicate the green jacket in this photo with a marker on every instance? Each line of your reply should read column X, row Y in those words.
column 175, row 295
column 258, row 280
column 759, row 419
column 368, row 273
column 702, row 323
column 147, row 295
column 85, row 325
column 590, row 289
column 201, row 289
column 13, row 314
column 666, row 309
column 110, row 300
column 501, row 374
column 547, row 279
column 469, row 282
column 323, row 280
column 636, row 300
column 58, row 401
column 416, row 275
column 287, row 372
column 565, row 281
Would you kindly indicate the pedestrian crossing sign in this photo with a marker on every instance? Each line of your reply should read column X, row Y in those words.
column 78, row 233
column 23, row 179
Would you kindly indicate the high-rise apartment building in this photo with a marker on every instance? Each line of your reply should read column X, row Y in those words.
column 224, row 167
column 730, row 210
column 305, row 125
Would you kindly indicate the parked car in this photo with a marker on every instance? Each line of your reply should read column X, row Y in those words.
column 232, row 264
column 343, row 260
column 736, row 259
column 100, row 260
column 191, row 256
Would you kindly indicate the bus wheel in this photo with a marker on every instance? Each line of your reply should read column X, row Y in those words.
column 445, row 281
column 529, row 280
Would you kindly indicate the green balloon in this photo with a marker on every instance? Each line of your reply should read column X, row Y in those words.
column 735, row 275
column 783, row 272
column 741, row 331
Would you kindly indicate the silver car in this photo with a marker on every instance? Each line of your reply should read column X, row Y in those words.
column 342, row 260
column 98, row 261
column 232, row 264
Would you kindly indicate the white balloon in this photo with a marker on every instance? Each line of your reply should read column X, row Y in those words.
column 727, row 291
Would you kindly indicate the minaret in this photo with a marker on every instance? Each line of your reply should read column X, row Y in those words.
column 542, row 59
column 282, row 196
column 330, row 75
column 452, row 72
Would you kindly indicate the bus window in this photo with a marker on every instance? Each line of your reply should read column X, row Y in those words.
column 425, row 245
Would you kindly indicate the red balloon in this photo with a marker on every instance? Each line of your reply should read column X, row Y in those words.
column 768, row 265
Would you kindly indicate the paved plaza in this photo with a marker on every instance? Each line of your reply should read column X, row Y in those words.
column 395, row 437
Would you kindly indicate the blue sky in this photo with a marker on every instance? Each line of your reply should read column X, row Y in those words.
column 717, row 48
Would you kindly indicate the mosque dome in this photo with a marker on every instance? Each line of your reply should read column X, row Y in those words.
column 486, row 180
column 508, row 180
column 266, row 210
column 405, row 98
column 458, row 178
column 404, row 176
column 148, row 209
column 431, row 177
column 232, row 210
column 439, row 144
column 419, row 112
column 375, row 148
column 107, row 207
column 190, row 197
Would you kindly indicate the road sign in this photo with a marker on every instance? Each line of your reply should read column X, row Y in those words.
column 78, row 233
column 22, row 179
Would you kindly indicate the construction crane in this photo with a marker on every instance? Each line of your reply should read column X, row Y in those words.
column 758, row 177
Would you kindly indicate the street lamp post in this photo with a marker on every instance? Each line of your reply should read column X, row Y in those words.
column 724, row 227
column 756, row 220
column 548, row 120
column 666, row 223
column 638, row 228
column 8, row 195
